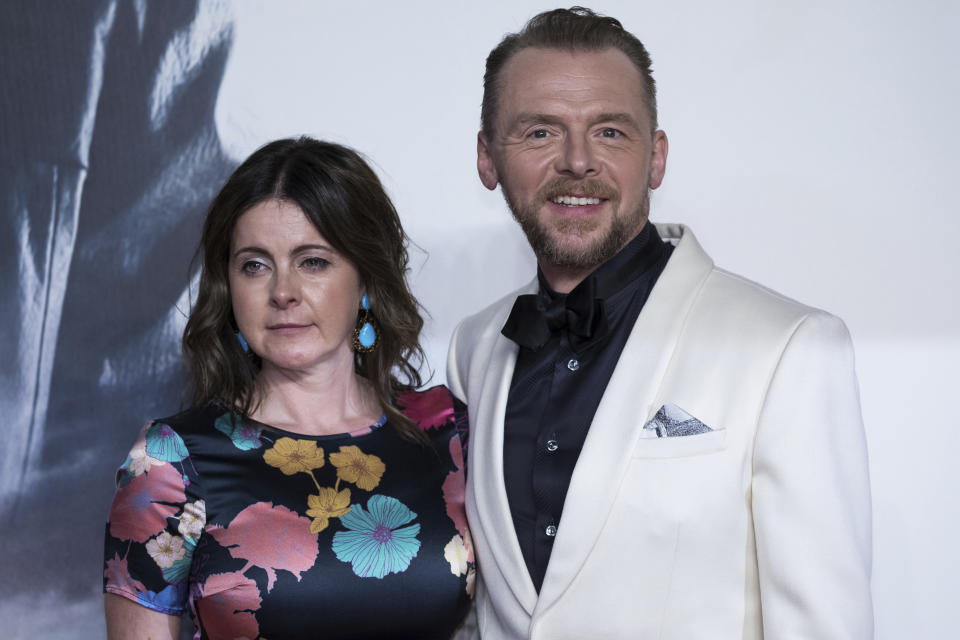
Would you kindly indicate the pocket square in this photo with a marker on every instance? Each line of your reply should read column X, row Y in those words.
column 673, row 422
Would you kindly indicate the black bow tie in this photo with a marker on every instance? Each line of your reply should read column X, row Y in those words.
column 582, row 312
column 535, row 317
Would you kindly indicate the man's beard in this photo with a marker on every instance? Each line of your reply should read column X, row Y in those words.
column 546, row 239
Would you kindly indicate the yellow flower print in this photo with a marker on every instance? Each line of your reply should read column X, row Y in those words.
column 193, row 519
column 456, row 554
column 329, row 504
column 294, row 456
column 353, row 465
column 166, row 549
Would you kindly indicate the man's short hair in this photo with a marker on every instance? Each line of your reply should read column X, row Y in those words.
column 573, row 29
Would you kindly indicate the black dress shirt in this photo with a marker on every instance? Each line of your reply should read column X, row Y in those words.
column 557, row 387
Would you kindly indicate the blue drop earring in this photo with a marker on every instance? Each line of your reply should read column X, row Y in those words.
column 365, row 336
column 243, row 342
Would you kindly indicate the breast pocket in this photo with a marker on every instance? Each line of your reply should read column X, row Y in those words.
column 681, row 446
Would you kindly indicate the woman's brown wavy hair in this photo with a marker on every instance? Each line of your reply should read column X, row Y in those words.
column 345, row 201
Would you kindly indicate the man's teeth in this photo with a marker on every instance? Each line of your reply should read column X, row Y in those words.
column 575, row 201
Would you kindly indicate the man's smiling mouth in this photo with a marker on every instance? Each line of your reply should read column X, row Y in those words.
column 574, row 201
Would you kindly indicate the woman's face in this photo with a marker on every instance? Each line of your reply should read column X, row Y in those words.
column 295, row 298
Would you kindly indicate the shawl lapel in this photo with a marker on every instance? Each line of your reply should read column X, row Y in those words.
column 626, row 405
column 488, row 405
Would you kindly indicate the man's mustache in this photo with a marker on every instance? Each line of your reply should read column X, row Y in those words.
column 587, row 188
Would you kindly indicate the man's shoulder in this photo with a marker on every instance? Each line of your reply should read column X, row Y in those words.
column 736, row 306
column 754, row 295
column 724, row 293
column 735, row 294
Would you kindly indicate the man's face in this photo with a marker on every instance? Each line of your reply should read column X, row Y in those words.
column 573, row 153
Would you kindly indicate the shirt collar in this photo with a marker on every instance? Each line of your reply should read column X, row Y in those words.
column 629, row 263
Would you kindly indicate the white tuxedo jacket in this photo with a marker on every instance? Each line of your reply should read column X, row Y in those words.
column 760, row 528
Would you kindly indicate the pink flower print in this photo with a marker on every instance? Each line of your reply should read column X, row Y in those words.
column 453, row 490
column 429, row 409
column 137, row 513
column 118, row 577
column 227, row 605
column 271, row 538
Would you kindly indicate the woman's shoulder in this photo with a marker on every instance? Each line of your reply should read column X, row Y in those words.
column 167, row 443
column 431, row 408
column 170, row 438
column 194, row 419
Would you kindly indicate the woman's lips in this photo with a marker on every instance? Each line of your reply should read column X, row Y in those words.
column 288, row 328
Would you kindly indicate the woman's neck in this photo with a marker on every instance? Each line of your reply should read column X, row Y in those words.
column 325, row 402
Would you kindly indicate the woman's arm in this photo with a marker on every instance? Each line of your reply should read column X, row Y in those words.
column 128, row 620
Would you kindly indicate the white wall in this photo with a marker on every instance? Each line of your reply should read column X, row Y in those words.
column 812, row 146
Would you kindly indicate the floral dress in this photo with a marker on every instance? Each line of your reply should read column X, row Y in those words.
column 263, row 533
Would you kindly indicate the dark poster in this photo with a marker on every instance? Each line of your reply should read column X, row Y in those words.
column 109, row 156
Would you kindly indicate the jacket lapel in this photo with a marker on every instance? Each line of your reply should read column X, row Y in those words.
column 488, row 404
column 626, row 405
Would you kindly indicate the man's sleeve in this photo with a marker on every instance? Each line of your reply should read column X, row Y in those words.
column 456, row 381
column 811, row 491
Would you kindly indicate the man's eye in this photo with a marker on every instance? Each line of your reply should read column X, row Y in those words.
column 539, row 133
column 610, row 132
column 314, row 264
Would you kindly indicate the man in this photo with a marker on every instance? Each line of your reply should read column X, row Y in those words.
column 659, row 448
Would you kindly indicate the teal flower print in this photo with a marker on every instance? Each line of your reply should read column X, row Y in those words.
column 374, row 544
column 244, row 436
column 163, row 443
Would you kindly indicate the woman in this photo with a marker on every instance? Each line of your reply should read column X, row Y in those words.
column 308, row 491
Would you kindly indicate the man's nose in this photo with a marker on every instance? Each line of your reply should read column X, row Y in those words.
column 578, row 158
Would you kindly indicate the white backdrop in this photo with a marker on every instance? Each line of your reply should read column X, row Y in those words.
column 812, row 148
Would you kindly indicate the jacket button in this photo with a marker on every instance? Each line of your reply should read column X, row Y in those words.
column 551, row 530
column 573, row 364
column 552, row 445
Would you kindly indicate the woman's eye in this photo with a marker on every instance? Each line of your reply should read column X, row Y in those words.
column 314, row 264
column 252, row 267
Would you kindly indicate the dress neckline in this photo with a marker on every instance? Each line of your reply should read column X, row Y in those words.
column 376, row 426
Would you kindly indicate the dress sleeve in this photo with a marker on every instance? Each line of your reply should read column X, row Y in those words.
column 811, row 491
column 155, row 521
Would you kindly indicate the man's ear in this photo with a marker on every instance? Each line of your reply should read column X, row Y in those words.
column 658, row 160
column 485, row 165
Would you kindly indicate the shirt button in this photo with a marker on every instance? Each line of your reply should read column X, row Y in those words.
column 573, row 364
column 551, row 530
column 552, row 445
